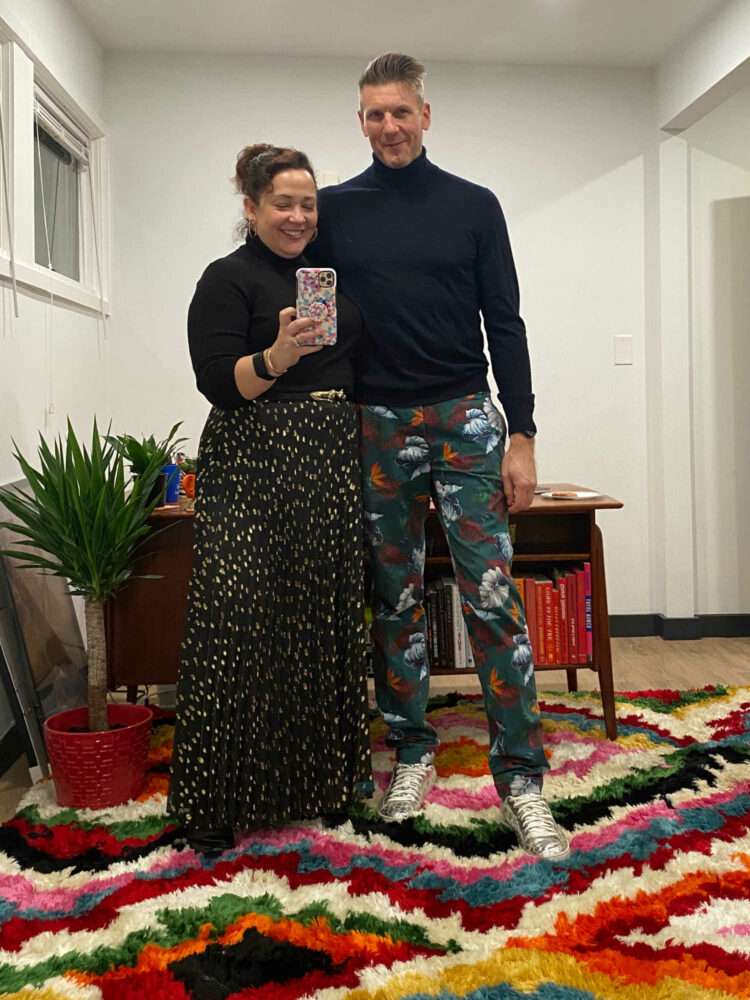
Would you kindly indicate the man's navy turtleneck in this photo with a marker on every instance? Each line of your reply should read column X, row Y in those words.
column 423, row 253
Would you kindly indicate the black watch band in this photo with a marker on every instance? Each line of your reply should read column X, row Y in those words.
column 259, row 364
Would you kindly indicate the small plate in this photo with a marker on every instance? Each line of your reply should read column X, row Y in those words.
column 569, row 495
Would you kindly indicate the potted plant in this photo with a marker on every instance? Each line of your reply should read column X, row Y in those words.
column 139, row 453
column 78, row 522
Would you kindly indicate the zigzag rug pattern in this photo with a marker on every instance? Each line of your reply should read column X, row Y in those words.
column 653, row 903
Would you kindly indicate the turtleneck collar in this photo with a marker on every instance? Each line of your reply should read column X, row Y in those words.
column 420, row 171
column 258, row 248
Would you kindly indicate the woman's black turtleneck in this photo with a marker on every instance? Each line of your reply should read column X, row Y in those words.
column 422, row 253
column 235, row 312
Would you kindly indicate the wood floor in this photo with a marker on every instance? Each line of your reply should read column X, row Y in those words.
column 637, row 664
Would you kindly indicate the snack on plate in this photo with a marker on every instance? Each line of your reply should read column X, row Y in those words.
column 569, row 494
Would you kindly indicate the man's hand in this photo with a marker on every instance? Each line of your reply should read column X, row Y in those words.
column 519, row 473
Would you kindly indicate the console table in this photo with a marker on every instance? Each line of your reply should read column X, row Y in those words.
column 144, row 621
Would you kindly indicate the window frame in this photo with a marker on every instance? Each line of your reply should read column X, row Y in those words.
column 20, row 74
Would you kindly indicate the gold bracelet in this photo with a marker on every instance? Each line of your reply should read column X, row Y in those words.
column 272, row 369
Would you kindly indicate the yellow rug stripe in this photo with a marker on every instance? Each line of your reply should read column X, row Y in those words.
column 526, row 971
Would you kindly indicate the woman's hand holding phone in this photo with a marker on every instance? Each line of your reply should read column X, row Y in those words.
column 316, row 297
column 286, row 351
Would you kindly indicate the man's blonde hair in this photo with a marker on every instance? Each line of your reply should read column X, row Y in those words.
column 395, row 67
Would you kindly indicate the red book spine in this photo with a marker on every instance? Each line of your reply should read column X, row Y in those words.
column 556, row 624
column 562, row 586
column 529, row 594
column 539, row 588
column 549, row 621
column 570, row 580
column 589, row 619
column 581, row 616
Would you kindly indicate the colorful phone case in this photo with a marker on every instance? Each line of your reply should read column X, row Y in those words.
column 316, row 297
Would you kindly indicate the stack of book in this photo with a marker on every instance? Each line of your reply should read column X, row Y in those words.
column 448, row 645
column 558, row 614
column 558, row 618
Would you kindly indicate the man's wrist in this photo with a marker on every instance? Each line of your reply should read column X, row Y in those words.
column 523, row 438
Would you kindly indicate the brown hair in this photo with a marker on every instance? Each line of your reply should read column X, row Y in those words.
column 257, row 165
column 395, row 67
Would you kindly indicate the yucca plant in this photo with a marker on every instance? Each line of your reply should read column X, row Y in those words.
column 77, row 513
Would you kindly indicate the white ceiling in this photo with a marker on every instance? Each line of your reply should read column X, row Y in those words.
column 627, row 33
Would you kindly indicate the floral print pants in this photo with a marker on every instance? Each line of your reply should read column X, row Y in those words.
column 452, row 452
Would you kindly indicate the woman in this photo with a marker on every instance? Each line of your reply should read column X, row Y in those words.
column 272, row 697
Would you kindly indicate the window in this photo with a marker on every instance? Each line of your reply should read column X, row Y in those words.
column 56, row 242
column 54, row 186
column 61, row 155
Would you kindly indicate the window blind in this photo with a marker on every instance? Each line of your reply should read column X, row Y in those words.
column 60, row 126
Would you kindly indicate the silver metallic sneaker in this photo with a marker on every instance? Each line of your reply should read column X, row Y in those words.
column 530, row 818
column 405, row 794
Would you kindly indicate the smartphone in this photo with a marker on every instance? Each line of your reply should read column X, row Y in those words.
column 316, row 298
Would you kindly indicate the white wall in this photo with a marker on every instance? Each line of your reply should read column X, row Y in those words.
column 54, row 31
column 565, row 150
column 720, row 228
column 51, row 356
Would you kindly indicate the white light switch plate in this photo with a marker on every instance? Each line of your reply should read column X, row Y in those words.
column 326, row 178
column 623, row 350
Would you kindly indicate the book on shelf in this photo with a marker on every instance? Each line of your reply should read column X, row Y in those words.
column 556, row 605
column 581, row 616
column 433, row 625
column 529, row 605
column 559, row 577
column 470, row 664
column 558, row 611
column 556, row 621
column 450, row 631
column 441, row 621
column 548, row 612
column 447, row 638
column 456, row 622
column 540, row 632
column 587, row 605
column 570, row 591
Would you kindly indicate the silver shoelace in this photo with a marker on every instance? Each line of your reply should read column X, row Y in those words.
column 407, row 784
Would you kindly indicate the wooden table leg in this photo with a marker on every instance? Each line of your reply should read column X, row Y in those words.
column 600, row 622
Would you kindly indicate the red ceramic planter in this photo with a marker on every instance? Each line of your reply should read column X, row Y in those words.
column 98, row 770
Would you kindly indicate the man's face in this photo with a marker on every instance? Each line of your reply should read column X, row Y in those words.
column 393, row 118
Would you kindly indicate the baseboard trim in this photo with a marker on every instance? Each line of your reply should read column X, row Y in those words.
column 698, row 627
column 11, row 748
column 632, row 626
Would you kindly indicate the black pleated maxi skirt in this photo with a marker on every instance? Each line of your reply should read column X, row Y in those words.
column 272, row 717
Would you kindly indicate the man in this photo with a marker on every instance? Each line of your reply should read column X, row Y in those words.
column 423, row 253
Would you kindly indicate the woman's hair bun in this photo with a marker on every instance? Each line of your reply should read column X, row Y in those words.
column 257, row 149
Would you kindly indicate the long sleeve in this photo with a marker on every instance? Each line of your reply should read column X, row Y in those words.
column 497, row 284
column 218, row 322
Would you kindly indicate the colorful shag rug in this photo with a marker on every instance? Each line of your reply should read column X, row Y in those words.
column 654, row 901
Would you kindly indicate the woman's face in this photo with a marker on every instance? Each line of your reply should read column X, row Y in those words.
column 287, row 213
